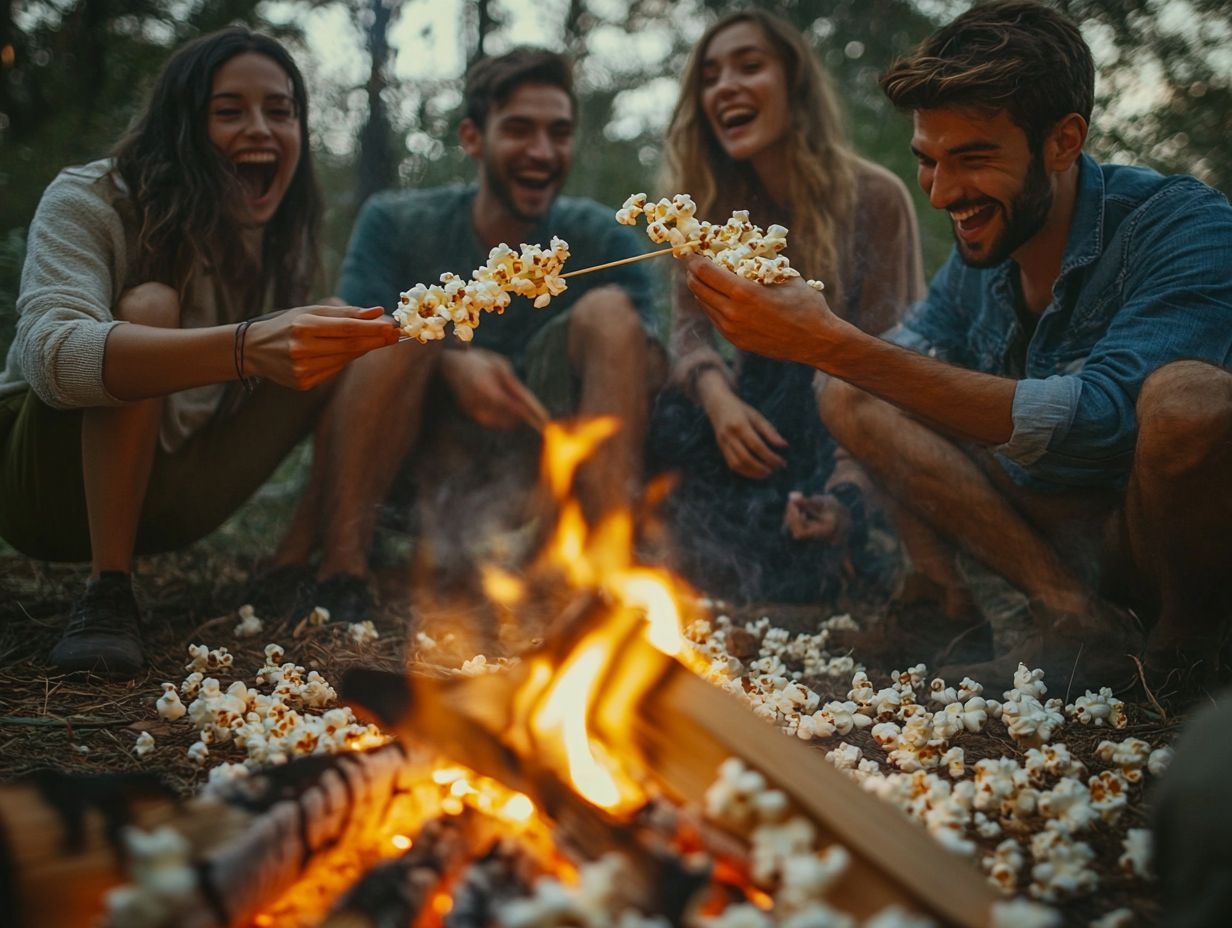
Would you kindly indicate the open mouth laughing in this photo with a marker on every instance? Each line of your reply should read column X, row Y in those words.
column 256, row 171
column 970, row 219
column 535, row 179
column 736, row 116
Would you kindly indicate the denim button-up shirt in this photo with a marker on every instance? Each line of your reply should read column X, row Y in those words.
column 1146, row 279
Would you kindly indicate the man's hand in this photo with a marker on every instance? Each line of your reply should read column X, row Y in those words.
column 488, row 391
column 821, row 516
column 788, row 321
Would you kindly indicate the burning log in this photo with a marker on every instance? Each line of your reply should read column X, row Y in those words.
column 393, row 894
column 671, row 731
column 60, row 841
column 247, row 842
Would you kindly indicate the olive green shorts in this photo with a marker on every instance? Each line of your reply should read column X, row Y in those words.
column 546, row 369
column 191, row 490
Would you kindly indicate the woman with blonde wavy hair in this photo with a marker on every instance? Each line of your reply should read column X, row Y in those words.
column 762, row 511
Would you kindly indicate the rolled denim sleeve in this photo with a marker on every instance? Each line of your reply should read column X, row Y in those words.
column 1043, row 412
column 1175, row 296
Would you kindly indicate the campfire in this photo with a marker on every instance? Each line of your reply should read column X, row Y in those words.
column 597, row 779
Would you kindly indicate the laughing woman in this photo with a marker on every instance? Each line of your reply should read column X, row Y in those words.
column 761, row 511
column 147, row 393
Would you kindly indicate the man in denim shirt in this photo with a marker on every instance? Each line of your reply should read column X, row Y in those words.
column 1064, row 411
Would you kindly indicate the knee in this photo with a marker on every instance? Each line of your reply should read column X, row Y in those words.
column 1184, row 415
column 841, row 406
column 605, row 318
column 151, row 304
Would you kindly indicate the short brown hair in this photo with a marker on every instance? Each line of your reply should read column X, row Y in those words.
column 1014, row 55
column 492, row 81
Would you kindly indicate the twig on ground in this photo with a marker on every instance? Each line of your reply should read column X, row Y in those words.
column 55, row 722
column 1146, row 689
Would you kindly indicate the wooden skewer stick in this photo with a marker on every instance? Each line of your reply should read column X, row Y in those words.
column 646, row 256
column 604, row 267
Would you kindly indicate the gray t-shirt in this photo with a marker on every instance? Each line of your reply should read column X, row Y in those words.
column 406, row 237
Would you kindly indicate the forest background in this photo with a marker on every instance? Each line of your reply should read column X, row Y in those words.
column 385, row 83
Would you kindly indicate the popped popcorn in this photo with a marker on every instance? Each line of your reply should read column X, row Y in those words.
column 737, row 245
column 1098, row 709
column 535, row 272
column 163, row 881
column 249, row 625
column 363, row 632
column 169, row 706
column 144, row 744
column 1137, row 848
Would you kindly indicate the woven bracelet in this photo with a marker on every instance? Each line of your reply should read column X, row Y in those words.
column 241, row 330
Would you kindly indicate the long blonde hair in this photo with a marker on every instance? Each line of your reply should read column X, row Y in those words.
column 820, row 181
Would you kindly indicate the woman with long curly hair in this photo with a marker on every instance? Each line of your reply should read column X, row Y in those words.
column 149, row 390
column 761, row 511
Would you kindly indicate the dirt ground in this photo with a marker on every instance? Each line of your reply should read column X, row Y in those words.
column 86, row 724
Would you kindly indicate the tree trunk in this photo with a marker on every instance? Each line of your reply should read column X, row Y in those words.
column 376, row 165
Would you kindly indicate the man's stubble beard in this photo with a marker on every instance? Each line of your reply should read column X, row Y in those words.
column 1027, row 213
column 500, row 190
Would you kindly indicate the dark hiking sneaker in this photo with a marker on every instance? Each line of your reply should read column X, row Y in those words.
column 103, row 634
column 278, row 592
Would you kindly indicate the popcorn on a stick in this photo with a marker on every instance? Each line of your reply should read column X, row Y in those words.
column 738, row 244
column 533, row 272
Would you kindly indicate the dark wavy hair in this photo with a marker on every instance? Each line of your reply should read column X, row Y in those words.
column 182, row 187
column 1020, row 56
column 490, row 82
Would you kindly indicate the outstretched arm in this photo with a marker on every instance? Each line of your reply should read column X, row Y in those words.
column 298, row 348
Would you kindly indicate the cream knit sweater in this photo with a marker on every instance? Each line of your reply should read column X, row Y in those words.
column 77, row 266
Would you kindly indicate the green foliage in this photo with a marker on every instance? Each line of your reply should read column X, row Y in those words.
column 1165, row 92
column 80, row 69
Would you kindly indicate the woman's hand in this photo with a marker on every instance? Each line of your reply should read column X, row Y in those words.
column 303, row 347
column 743, row 434
column 488, row 391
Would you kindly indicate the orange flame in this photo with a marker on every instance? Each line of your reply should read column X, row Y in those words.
column 558, row 701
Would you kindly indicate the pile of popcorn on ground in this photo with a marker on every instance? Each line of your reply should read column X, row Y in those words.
column 1022, row 819
column 284, row 712
column 1034, row 810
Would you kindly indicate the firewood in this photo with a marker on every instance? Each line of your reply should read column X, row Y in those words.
column 250, row 841
column 394, row 893
column 59, row 841
column 677, row 729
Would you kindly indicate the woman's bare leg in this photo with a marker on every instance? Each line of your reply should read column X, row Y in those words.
column 118, row 444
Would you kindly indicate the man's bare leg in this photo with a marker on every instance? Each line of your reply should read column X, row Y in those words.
column 370, row 425
column 1179, row 507
column 615, row 361
column 935, row 480
column 933, row 559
